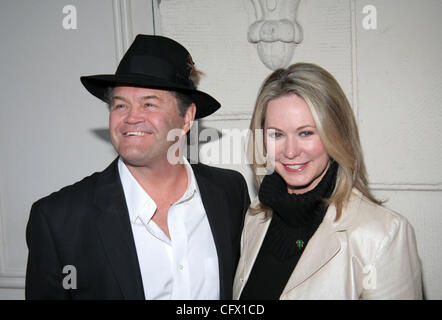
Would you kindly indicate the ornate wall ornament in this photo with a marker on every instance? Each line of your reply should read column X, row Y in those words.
column 275, row 31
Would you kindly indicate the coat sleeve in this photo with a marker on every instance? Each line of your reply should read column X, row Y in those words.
column 396, row 272
column 44, row 273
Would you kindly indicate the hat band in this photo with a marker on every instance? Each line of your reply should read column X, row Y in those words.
column 153, row 67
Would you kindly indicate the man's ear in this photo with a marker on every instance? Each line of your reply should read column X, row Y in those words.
column 189, row 117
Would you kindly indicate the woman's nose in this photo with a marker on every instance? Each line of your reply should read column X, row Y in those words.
column 291, row 148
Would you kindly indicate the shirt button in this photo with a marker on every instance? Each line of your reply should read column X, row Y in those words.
column 180, row 266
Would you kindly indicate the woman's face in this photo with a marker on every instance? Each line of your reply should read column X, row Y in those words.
column 299, row 155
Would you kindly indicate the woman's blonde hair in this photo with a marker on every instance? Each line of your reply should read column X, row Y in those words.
column 334, row 120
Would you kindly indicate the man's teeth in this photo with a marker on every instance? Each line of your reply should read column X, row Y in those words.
column 295, row 167
column 135, row 133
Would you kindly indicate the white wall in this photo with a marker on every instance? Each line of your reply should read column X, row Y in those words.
column 399, row 101
column 391, row 75
column 53, row 132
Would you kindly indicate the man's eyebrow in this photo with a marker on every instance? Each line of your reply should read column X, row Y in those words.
column 120, row 98
column 150, row 97
column 141, row 98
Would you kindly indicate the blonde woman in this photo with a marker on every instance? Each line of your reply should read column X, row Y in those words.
column 315, row 231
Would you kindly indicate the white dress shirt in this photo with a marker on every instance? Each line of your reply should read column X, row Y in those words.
column 184, row 266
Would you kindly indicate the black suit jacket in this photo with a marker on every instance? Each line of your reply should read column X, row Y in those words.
column 86, row 225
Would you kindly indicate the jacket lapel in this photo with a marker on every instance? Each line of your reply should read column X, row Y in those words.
column 114, row 228
column 215, row 205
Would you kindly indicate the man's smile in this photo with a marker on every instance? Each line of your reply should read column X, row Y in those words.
column 136, row 133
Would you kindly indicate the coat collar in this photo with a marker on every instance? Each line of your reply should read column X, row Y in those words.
column 321, row 248
column 114, row 228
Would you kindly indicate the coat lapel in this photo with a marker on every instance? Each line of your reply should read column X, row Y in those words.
column 322, row 247
column 324, row 244
column 253, row 240
column 114, row 228
column 216, row 205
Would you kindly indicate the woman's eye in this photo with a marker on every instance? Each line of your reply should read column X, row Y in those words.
column 274, row 134
column 306, row 133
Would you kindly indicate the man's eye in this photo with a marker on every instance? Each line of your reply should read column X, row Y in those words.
column 149, row 105
column 119, row 106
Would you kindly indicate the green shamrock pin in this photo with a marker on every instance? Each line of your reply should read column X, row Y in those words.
column 299, row 244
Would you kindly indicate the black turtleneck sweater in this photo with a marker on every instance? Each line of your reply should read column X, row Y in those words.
column 295, row 218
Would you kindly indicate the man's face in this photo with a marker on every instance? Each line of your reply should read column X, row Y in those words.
column 139, row 122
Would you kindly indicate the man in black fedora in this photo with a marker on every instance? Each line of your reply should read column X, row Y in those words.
column 146, row 227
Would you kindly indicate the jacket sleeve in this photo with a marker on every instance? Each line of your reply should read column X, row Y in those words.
column 246, row 197
column 396, row 272
column 44, row 273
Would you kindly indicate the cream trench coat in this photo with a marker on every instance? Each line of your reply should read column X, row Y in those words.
column 369, row 253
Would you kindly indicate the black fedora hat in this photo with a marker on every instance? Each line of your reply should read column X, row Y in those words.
column 154, row 62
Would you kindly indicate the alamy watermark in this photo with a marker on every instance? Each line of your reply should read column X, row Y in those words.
column 370, row 20
column 370, row 279
column 230, row 146
column 70, row 280
column 69, row 21
column 369, row 282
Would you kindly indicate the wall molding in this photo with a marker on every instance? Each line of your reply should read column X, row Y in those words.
column 3, row 276
column 275, row 31
column 230, row 115
column 12, row 281
column 156, row 15
column 354, row 60
column 12, row 278
column 437, row 187
column 123, row 27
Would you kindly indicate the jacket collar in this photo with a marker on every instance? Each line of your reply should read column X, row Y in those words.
column 216, row 206
column 114, row 228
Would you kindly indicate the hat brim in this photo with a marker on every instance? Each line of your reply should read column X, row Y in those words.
column 97, row 85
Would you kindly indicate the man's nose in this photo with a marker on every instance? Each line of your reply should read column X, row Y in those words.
column 135, row 115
